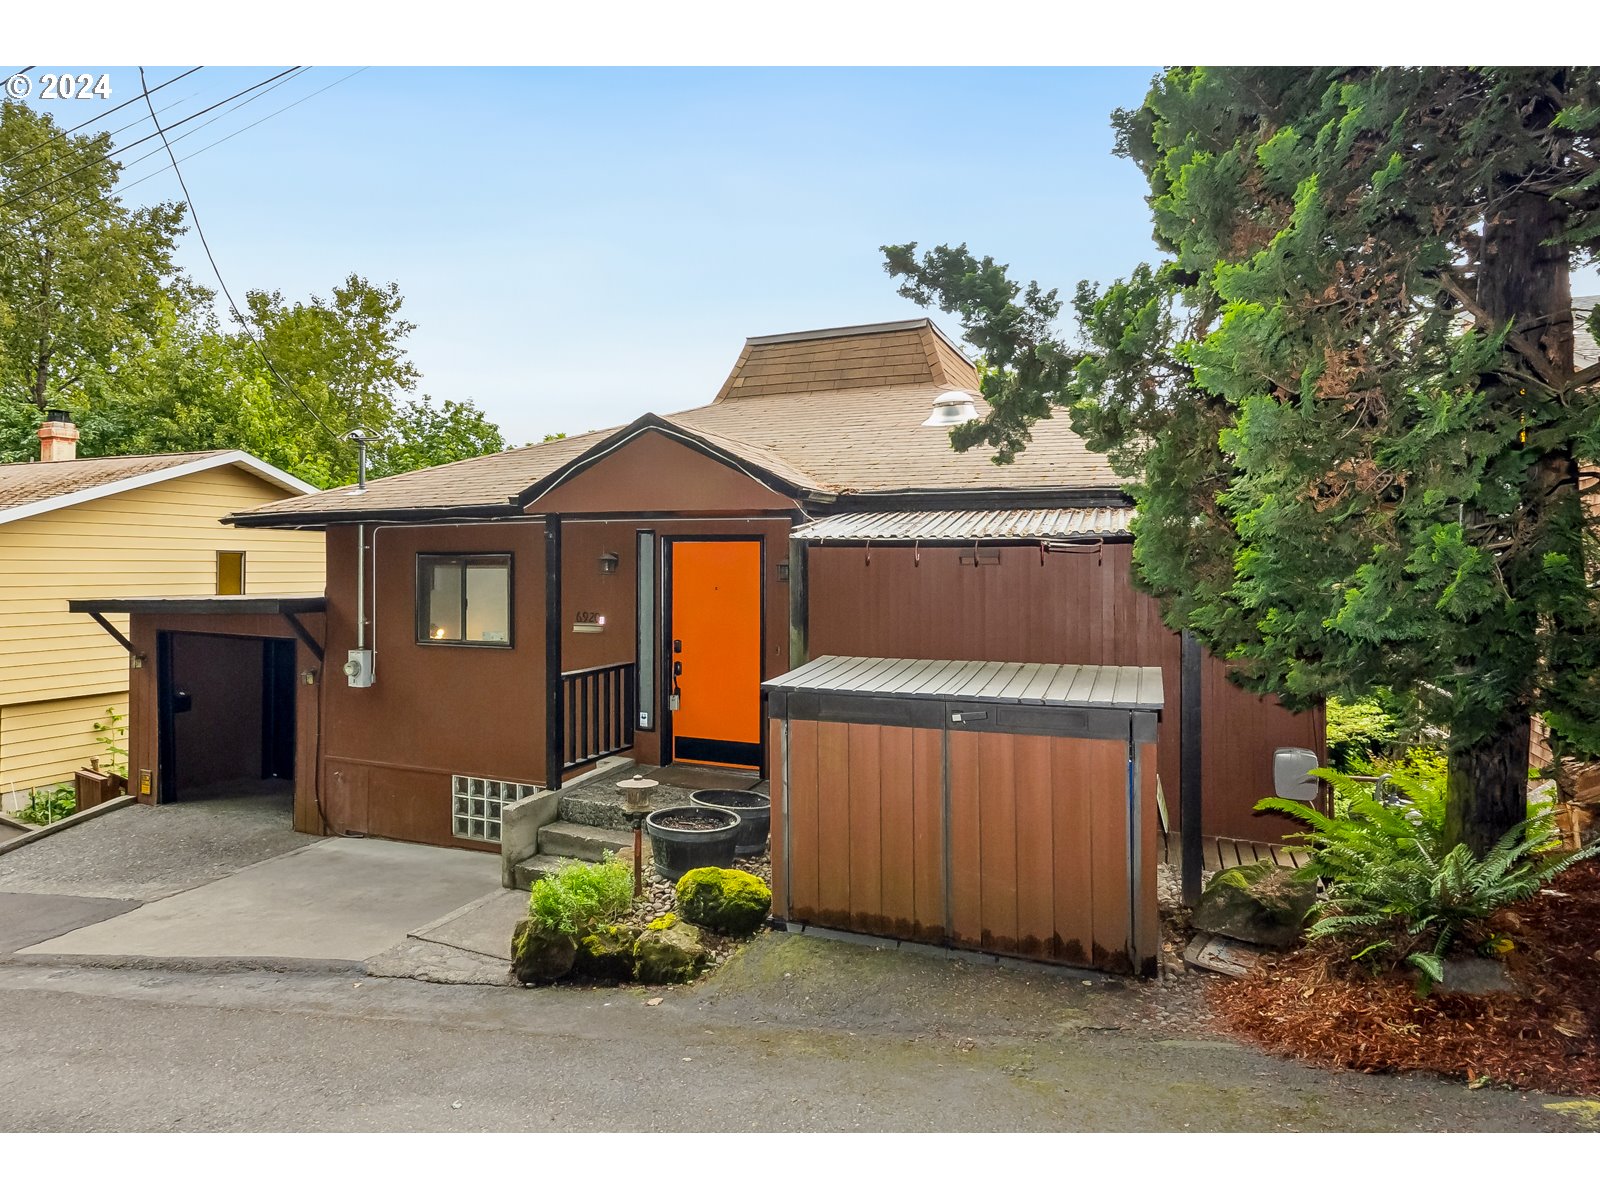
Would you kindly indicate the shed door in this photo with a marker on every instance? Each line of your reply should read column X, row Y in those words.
column 715, row 641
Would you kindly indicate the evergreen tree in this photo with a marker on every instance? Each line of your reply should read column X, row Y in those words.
column 1346, row 395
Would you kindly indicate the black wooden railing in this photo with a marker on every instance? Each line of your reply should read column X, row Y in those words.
column 598, row 706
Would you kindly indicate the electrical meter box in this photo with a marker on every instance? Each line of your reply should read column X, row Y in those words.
column 358, row 668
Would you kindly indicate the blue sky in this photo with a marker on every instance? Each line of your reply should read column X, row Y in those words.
column 577, row 246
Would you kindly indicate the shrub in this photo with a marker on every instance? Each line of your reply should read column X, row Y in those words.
column 581, row 895
column 1358, row 729
column 48, row 805
column 731, row 902
column 1392, row 880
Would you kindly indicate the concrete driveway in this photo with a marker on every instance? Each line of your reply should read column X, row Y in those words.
column 339, row 899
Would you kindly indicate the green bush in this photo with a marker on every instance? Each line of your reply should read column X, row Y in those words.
column 731, row 902
column 581, row 895
column 46, row 806
column 1392, row 880
column 1357, row 730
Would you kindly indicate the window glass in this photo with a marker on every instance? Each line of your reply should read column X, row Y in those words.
column 230, row 572
column 488, row 601
column 646, row 674
column 464, row 600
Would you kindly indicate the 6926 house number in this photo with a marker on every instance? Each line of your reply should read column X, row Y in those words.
column 67, row 86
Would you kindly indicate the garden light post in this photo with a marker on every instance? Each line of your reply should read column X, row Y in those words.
column 636, row 806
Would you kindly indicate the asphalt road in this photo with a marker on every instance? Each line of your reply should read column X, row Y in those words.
column 796, row 1036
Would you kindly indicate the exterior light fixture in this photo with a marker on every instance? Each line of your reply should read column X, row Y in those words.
column 952, row 408
column 608, row 563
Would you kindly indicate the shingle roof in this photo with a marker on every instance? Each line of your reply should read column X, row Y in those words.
column 824, row 412
column 33, row 487
column 29, row 482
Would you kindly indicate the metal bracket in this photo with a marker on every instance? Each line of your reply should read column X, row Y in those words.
column 304, row 634
column 116, row 633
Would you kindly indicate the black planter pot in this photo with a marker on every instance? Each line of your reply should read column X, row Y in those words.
column 675, row 851
column 755, row 815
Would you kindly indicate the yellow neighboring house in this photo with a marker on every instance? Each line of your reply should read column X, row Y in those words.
column 144, row 525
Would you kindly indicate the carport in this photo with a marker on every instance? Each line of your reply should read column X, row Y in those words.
column 222, row 695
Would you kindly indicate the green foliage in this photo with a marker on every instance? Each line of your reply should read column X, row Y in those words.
column 581, row 896
column 112, row 735
column 1359, row 729
column 46, row 806
column 1344, row 397
column 1395, row 886
column 729, row 901
column 95, row 318
column 85, row 280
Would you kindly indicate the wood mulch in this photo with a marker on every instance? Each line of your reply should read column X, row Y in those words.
column 1314, row 1005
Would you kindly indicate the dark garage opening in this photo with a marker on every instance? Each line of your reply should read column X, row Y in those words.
column 227, row 722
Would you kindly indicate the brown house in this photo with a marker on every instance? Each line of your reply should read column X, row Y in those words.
column 493, row 626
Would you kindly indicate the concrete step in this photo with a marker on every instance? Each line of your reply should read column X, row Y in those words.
column 536, row 867
column 566, row 839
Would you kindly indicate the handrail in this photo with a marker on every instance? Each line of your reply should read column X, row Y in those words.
column 598, row 710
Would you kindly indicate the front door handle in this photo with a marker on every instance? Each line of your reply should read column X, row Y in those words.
column 677, row 669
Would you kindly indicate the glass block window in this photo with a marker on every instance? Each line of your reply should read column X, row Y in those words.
column 476, row 805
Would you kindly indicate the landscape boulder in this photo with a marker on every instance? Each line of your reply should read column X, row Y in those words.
column 1261, row 903
column 540, row 955
column 727, row 901
column 606, row 953
column 669, row 951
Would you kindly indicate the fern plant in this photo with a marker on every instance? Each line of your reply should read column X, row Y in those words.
column 582, row 895
column 1391, row 879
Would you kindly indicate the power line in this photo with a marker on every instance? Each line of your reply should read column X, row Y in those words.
column 29, row 174
column 92, row 120
column 124, row 149
column 122, row 166
column 46, row 228
column 221, row 282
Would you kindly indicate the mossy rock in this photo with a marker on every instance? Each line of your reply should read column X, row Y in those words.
column 728, row 901
column 673, row 954
column 664, row 921
column 540, row 955
column 607, row 953
column 1260, row 902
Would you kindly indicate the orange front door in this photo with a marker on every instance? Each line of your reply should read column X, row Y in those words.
column 715, row 644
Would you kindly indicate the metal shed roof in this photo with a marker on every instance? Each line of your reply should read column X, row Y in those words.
column 1006, row 524
column 1051, row 684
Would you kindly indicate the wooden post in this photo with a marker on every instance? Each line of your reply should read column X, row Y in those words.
column 554, row 718
column 799, row 603
column 1189, row 767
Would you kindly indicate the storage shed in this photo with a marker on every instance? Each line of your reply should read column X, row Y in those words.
column 1005, row 807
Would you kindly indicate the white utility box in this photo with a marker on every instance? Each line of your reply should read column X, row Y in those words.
column 1291, row 774
column 358, row 669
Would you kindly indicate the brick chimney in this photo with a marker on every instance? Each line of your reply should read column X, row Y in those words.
column 58, row 437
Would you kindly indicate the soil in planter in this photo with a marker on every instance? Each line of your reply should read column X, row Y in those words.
column 692, row 822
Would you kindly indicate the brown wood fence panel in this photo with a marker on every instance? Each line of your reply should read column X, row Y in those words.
column 1035, row 839
column 897, row 814
column 927, row 800
column 997, row 841
column 966, row 868
column 866, row 826
column 803, row 834
column 1074, row 908
column 833, row 824
column 1149, row 939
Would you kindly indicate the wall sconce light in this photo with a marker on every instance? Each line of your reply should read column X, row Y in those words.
column 783, row 571
column 608, row 563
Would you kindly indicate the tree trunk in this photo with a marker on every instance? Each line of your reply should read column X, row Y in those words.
column 1523, row 279
column 1487, row 788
